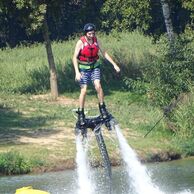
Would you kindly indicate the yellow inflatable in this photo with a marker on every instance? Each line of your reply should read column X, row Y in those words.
column 29, row 190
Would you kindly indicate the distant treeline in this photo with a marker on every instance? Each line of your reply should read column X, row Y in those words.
column 65, row 18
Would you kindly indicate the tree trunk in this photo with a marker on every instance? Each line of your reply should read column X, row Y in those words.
column 52, row 68
column 167, row 19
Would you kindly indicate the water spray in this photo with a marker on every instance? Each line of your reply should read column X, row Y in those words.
column 95, row 124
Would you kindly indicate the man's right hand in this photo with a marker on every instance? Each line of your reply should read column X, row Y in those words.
column 78, row 76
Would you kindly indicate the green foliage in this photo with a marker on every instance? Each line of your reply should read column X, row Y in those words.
column 182, row 118
column 171, row 71
column 13, row 163
column 189, row 4
column 126, row 15
column 31, row 13
column 186, row 146
column 65, row 18
column 135, row 86
column 133, row 51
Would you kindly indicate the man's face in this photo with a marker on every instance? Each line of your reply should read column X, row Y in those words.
column 90, row 34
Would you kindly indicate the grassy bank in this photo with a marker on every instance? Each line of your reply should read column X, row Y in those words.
column 37, row 133
column 41, row 131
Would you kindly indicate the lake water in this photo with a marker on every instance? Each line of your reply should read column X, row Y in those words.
column 170, row 177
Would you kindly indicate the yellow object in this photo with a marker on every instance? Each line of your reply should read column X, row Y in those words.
column 29, row 190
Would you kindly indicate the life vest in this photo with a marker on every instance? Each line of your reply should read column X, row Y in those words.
column 89, row 52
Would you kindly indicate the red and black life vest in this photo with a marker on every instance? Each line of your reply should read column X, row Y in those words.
column 89, row 52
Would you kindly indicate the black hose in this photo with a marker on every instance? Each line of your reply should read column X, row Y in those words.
column 106, row 160
column 168, row 109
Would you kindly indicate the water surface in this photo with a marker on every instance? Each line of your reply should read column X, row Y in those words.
column 171, row 177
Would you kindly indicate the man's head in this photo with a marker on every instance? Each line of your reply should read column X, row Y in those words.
column 89, row 27
column 89, row 30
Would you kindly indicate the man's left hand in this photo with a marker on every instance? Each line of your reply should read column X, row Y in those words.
column 117, row 69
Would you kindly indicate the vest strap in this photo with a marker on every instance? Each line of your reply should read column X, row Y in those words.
column 88, row 66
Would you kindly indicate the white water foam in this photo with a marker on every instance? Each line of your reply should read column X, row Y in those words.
column 185, row 192
column 85, row 185
column 137, row 173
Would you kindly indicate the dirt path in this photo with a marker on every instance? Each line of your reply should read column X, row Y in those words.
column 47, row 137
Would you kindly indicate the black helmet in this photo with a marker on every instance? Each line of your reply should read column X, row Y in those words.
column 89, row 27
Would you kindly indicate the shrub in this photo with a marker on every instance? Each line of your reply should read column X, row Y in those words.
column 171, row 71
column 182, row 117
column 13, row 163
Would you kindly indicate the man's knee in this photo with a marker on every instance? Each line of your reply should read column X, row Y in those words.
column 98, row 87
column 83, row 91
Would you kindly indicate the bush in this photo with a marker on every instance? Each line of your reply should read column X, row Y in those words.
column 171, row 71
column 13, row 163
column 183, row 118
column 186, row 146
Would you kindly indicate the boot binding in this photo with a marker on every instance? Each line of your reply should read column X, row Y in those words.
column 103, row 111
column 81, row 117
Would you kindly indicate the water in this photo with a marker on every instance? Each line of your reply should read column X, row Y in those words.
column 85, row 185
column 174, row 176
column 133, row 177
column 170, row 177
column 138, row 174
column 55, row 182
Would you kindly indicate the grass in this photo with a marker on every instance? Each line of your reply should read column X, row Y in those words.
column 42, row 130
column 25, row 115
column 27, row 67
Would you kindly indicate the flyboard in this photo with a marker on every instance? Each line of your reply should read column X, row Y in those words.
column 95, row 124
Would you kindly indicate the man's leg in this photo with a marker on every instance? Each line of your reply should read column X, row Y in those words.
column 100, row 94
column 81, row 115
column 99, row 91
column 82, row 96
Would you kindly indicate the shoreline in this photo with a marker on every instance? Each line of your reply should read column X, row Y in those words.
column 70, row 164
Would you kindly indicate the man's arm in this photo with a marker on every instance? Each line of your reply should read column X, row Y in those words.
column 75, row 62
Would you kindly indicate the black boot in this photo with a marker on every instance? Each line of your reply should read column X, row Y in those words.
column 81, row 116
column 103, row 111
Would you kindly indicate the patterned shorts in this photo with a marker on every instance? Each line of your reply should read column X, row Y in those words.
column 89, row 76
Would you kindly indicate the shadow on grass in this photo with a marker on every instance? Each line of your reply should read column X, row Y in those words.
column 39, row 79
column 13, row 125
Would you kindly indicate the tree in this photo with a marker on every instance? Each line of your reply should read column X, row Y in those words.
column 126, row 15
column 34, row 16
column 50, row 57
column 189, row 4
column 167, row 19
column 11, row 32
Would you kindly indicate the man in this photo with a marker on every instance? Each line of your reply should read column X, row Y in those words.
column 87, row 68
